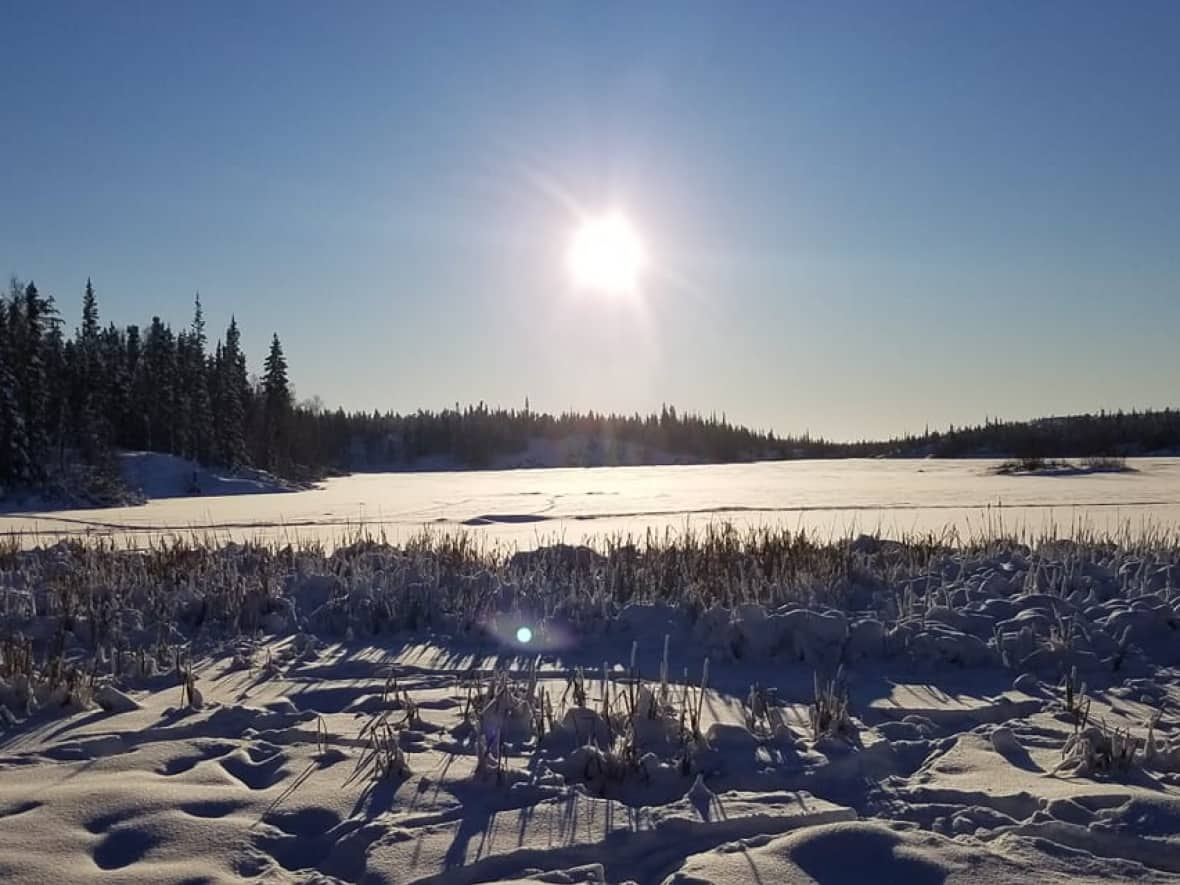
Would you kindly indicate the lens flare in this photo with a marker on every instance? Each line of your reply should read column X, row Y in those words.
column 524, row 635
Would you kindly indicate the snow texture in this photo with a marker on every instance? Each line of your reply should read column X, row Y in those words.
column 361, row 717
column 529, row 507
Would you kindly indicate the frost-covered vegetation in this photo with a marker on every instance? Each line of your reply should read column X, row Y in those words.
column 1011, row 697
column 1036, row 466
column 1050, row 608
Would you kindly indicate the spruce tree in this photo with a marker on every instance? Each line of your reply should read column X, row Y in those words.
column 196, row 384
column 159, row 357
column 86, row 386
column 276, row 403
column 116, row 385
column 183, row 441
column 33, row 320
column 134, row 434
column 89, row 330
column 233, row 388
column 61, row 420
column 14, row 455
column 215, row 374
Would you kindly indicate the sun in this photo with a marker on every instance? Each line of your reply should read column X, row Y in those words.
column 606, row 255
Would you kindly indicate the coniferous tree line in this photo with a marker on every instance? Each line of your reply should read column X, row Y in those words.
column 1125, row 433
column 475, row 435
column 78, row 397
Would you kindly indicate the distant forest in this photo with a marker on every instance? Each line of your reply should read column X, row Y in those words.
column 76, row 400
column 1071, row 436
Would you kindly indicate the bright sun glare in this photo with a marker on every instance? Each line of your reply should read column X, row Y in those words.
column 606, row 255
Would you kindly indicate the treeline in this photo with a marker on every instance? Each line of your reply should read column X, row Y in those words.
column 477, row 435
column 79, row 398
column 69, row 399
column 1070, row 436
column 76, row 399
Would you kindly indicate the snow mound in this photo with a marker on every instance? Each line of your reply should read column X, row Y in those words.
column 156, row 475
column 848, row 854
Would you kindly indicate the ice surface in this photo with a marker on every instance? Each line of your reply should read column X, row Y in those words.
column 525, row 507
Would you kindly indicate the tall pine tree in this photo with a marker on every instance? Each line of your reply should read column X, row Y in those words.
column 197, row 382
column 14, row 447
column 30, row 329
column 89, row 330
column 116, row 383
column 159, row 357
column 276, row 404
column 135, row 420
column 233, row 395
column 87, row 387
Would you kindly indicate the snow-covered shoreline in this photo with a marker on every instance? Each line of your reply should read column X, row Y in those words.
column 153, row 476
column 139, row 477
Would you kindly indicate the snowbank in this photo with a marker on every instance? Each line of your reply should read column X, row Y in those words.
column 155, row 475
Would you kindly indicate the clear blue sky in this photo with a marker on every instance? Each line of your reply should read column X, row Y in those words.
column 861, row 217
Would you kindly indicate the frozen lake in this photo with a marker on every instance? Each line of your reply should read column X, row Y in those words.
column 524, row 507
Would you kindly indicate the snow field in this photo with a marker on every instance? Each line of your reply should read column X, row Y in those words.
column 722, row 709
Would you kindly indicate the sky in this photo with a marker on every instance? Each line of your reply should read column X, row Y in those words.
column 860, row 218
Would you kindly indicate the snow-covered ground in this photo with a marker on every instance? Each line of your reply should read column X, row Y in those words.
column 376, row 716
column 523, row 507
column 142, row 476
column 154, row 475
